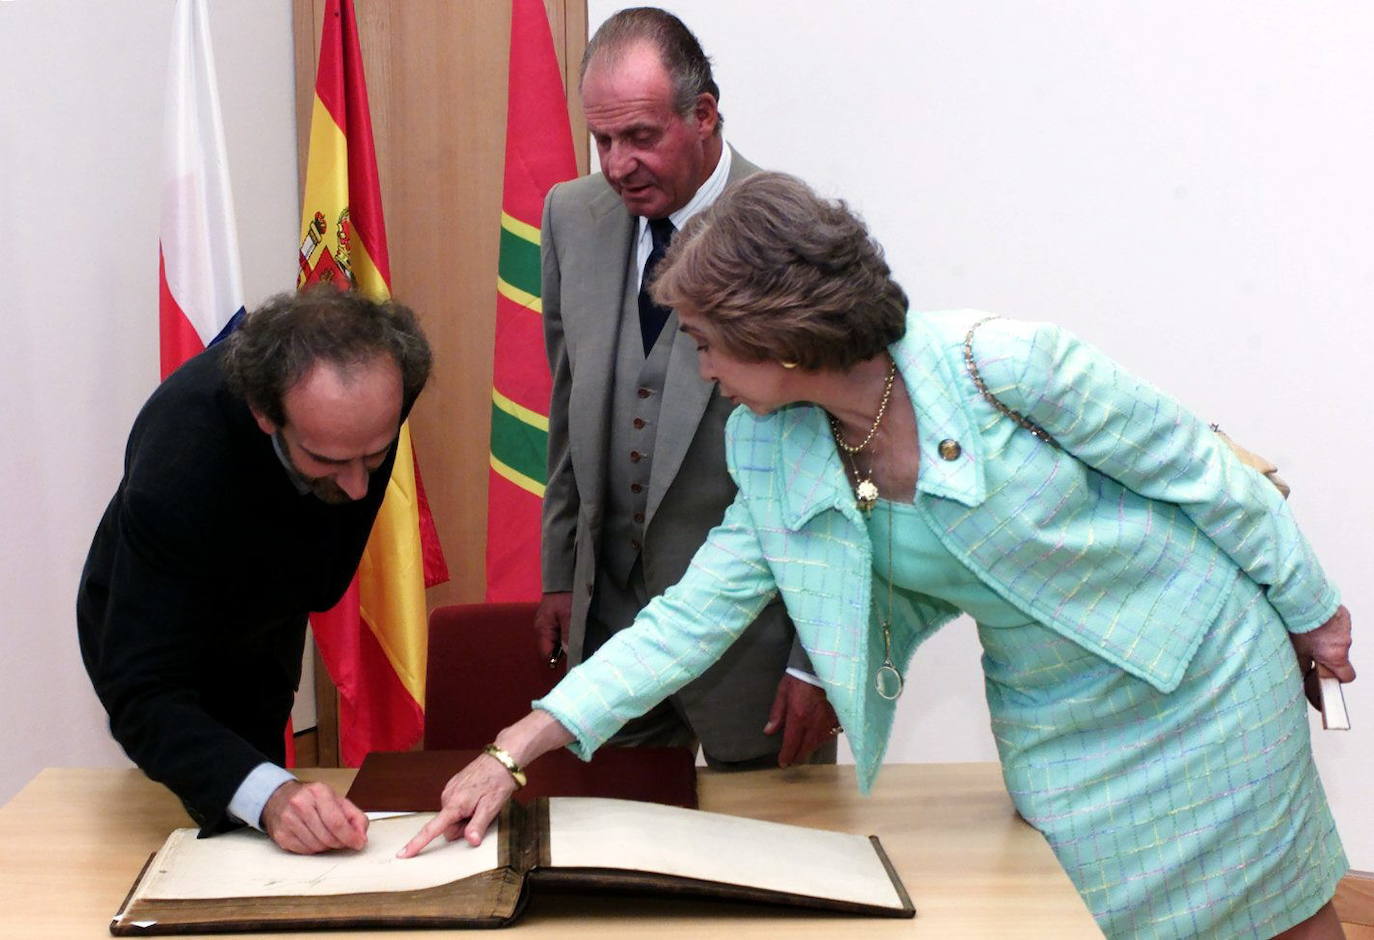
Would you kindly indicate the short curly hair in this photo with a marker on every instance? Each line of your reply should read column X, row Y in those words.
column 782, row 274
column 280, row 341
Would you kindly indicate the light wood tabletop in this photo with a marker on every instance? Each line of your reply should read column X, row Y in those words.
column 74, row 840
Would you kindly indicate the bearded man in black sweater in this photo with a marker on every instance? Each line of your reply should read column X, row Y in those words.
column 251, row 481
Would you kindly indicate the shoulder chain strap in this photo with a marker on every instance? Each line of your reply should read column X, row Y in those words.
column 992, row 399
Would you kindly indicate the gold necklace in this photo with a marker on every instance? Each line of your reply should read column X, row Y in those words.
column 877, row 420
column 865, row 490
column 887, row 680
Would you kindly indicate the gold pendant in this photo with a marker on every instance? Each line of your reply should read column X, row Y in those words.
column 867, row 494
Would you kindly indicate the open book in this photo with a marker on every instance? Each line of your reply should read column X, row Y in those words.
column 241, row 881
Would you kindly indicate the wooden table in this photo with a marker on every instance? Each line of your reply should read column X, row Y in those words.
column 73, row 841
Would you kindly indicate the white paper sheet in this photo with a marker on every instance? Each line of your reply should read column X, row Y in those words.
column 248, row 864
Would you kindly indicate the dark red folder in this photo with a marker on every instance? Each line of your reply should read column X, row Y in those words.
column 413, row 780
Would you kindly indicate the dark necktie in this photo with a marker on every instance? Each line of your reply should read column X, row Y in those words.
column 652, row 316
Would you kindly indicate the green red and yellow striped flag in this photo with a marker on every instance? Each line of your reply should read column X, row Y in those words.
column 375, row 641
column 539, row 153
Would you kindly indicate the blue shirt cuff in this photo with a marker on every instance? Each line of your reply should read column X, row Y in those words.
column 252, row 795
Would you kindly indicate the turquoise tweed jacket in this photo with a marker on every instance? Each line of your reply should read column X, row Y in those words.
column 1124, row 539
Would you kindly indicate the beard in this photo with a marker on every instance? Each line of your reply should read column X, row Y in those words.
column 322, row 488
column 327, row 491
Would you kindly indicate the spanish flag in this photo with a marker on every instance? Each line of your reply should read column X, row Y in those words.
column 539, row 153
column 375, row 641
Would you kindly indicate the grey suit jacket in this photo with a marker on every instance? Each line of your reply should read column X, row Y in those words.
column 587, row 238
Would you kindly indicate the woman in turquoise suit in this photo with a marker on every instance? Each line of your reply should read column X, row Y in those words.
column 1139, row 593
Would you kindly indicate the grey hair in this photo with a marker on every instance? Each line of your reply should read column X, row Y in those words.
column 688, row 68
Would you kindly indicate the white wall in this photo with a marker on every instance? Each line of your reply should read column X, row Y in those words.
column 1186, row 184
column 81, row 99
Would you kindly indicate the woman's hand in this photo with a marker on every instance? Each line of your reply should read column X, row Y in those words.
column 476, row 794
column 1327, row 646
column 472, row 799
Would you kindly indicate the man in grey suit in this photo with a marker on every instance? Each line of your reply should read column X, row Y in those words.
column 636, row 438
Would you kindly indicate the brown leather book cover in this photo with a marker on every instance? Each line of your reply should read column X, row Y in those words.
column 412, row 781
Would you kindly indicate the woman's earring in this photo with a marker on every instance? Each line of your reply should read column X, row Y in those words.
column 788, row 365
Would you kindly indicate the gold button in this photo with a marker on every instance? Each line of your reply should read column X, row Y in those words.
column 950, row 449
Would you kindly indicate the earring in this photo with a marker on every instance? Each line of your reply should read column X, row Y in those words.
column 788, row 365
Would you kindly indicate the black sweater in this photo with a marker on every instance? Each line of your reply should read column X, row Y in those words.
column 192, row 606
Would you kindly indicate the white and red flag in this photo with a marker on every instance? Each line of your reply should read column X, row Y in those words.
column 200, row 288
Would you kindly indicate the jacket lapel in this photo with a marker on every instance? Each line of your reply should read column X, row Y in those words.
column 685, row 398
column 810, row 463
column 611, row 229
column 941, row 415
column 683, row 388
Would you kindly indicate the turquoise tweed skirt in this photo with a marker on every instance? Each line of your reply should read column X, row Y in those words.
column 1193, row 813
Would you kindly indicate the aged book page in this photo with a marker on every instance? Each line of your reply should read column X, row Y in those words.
column 618, row 834
column 248, row 864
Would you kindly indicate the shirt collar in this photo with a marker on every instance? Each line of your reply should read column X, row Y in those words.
column 296, row 479
column 706, row 194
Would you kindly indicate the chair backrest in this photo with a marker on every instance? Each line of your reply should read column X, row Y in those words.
column 484, row 668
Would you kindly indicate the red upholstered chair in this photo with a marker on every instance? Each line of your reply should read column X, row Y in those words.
column 484, row 668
